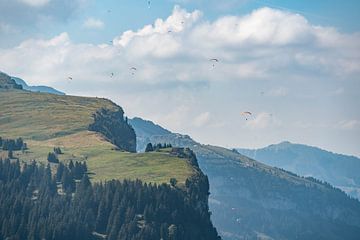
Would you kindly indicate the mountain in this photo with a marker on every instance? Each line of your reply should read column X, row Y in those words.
column 6, row 82
column 44, row 89
column 250, row 200
column 52, row 146
column 21, row 84
column 339, row 170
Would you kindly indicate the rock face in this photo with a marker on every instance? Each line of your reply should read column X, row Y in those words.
column 7, row 83
column 115, row 128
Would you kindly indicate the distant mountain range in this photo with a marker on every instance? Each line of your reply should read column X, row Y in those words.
column 250, row 200
column 44, row 89
column 339, row 170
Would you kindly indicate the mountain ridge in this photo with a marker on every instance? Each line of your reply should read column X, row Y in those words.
column 338, row 169
column 20, row 82
column 44, row 89
column 251, row 200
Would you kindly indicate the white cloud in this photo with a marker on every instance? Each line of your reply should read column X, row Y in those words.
column 161, row 40
column 35, row 3
column 202, row 119
column 262, row 120
column 277, row 92
column 177, row 22
column 93, row 23
column 349, row 124
column 263, row 44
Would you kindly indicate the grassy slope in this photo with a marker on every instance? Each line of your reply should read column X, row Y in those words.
column 46, row 121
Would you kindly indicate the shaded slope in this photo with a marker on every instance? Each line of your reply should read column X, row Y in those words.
column 44, row 89
column 250, row 200
column 339, row 170
column 7, row 83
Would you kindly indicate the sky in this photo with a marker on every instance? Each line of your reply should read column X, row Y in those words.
column 293, row 64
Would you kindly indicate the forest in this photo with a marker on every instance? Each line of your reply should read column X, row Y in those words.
column 58, row 201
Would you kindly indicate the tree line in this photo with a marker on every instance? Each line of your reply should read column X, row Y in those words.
column 36, row 203
column 12, row 144
column 156, row 147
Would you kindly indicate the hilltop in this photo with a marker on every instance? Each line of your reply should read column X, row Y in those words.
column 94, row 130
column 337, row 169
column 251, row 200
column 74, row 158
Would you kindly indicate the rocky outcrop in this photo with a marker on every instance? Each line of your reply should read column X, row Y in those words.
column 115, row 128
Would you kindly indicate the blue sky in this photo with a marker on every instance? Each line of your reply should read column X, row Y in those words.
column 119, row 16
column 294, row 64
column 134, row 14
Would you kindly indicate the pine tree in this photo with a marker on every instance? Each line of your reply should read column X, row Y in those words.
column 149, row 148
column 173, row 182
column 10, row 154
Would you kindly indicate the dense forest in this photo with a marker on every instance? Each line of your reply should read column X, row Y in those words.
column 58, row 202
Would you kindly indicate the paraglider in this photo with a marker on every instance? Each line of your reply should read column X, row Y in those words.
column 111, row 74
column 247, row 115
column 214, row 60
column 149, row 4
column 133, row 69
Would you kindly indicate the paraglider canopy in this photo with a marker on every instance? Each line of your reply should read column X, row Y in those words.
column 246, row 114
column 214, row 60
column 133, row 69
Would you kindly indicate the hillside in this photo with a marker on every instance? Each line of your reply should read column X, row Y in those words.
column 339, row 170
column 250, row 200
column 74, row 159
column 86, row 129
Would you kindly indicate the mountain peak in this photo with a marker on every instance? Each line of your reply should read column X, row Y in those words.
column 281, row 145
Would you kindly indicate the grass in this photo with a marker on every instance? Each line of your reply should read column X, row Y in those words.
column 46, row 121
column 42, row 116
